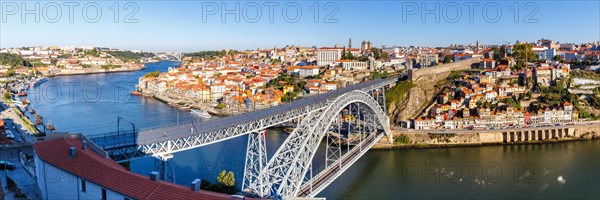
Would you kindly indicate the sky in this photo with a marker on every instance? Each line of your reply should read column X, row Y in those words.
column 190, row 25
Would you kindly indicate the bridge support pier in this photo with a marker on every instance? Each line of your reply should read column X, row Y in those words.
column 164, row 165
column 256, row 160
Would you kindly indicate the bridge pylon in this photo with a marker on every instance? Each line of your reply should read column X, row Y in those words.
column 164, row 165
column 256, row 160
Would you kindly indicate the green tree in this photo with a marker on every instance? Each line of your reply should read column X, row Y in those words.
column 447, row 59
column 376, row 53
column 152, row 74
column 557, row 58
column 6, row 95
column 226, row 178
column 220, row 106
column 524, row 51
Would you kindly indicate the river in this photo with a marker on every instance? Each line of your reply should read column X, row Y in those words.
column 90, row 104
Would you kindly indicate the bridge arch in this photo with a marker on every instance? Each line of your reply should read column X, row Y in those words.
column 286, row 172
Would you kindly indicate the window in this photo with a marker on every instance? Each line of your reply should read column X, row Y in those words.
column 82, row 185
column 103, row 194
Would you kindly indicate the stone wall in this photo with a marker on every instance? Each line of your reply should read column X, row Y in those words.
column 503, row 136
column 415, row 74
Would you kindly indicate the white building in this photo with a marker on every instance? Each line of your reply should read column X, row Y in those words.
column 328, row 55
column 311, row 70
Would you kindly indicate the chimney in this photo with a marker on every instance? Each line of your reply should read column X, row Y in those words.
column 154, row 175
column 84, row 147
column 71, row 152
column 196, row 185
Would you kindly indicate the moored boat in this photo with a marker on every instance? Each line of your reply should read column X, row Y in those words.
column 50, row 127
column 135, row 93
column 201, row 113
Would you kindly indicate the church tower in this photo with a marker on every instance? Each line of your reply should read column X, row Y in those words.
column 350, row 43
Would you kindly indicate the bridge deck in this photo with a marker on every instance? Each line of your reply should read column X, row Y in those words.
column 325, row 177
column 161, row 134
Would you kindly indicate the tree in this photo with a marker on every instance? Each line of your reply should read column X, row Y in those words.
column 376, row 53
column 557, row 58
column 524, row 51
column 6, row 95
column 447, row 59
column 226, row 178
column 220, row 106
column 152, row 74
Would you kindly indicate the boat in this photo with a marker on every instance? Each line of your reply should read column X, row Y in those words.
column 50, row 127
column 38, row 117
column 135, row 93
column 32, row 111
column 22, row 94
column 39, row 122
column 201, row 113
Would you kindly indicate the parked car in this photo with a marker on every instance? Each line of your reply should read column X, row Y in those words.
column 7, row 165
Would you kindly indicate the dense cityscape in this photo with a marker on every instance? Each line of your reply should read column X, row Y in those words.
column 482, row 87
column 299, row 100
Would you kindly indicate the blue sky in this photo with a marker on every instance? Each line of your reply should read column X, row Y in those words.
column 179, row 25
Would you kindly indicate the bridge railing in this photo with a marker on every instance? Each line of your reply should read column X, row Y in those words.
column 115, row 139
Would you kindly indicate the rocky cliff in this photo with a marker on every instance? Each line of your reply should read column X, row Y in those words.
column 416, row 98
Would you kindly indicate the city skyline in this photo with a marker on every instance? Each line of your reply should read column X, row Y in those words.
column 194, row 25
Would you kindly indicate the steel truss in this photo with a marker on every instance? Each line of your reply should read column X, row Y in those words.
column 187, row 136
column 286, row 172
column 164, row 165
column 256, row 159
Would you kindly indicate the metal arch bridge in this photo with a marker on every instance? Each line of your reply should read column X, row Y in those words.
column 352, row 119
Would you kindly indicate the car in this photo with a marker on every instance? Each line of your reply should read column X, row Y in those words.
column 7, row 165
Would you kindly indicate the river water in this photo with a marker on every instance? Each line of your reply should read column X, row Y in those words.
column 90, row 104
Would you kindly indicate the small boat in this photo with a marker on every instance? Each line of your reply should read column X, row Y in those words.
column 22, row 94
column 50, row 127
column 38, row 117
column 38, row 122
column 32, row 111
column 135, row 93
column 201, row 113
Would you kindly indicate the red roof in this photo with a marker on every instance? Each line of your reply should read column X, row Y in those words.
column 105, row 172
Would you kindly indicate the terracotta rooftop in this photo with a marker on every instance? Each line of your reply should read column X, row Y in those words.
column 105, row 172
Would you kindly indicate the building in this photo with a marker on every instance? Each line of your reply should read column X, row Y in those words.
column 310, row 70
column 428, row 59
column 68, row 168
column 328, row 55
column 487, row 64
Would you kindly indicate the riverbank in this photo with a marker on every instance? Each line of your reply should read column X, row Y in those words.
column 185, row 105
column 99, row 72
column 423, row 140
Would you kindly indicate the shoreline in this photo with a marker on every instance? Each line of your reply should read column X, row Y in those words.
column 97, row 72
column 384, row 147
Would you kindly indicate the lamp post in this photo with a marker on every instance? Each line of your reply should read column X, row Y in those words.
column 118, row 123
